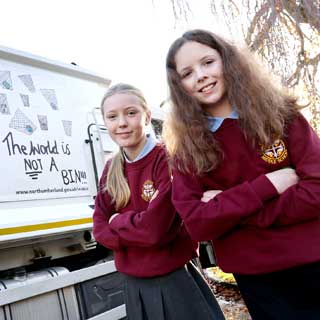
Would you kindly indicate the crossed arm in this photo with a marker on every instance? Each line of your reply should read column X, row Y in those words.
column 155, row 225
column 282, row 197
column 299, row 189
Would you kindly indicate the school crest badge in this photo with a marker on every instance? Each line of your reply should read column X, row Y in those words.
column 275, row 153
column 148, row 190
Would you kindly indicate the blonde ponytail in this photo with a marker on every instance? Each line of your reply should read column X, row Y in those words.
column 117, row 184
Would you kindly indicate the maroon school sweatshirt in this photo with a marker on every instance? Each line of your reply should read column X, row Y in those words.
column 254, row 230
column 148, row 238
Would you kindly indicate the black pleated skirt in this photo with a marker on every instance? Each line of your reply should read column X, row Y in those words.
column 180, row 295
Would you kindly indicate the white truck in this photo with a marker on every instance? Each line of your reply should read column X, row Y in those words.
column 53, row 147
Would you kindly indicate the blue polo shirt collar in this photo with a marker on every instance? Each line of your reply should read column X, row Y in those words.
column 216, row 122
column 148, row 147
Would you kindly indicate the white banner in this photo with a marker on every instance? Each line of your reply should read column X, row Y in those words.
column 41, row 135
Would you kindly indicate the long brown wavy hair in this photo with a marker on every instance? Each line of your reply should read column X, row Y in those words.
column 264, row 108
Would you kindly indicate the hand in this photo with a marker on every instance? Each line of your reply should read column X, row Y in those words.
column 154, row 195
column 112, row 217
column 210, row 194
column 283, row 179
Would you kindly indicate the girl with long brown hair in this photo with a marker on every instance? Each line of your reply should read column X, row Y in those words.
column 134, row 216
column 246, row 174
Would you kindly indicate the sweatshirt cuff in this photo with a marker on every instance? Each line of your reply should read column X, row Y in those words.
column 122, row 219
column 263, row 187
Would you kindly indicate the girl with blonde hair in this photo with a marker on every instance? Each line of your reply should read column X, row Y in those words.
column 135, row 217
